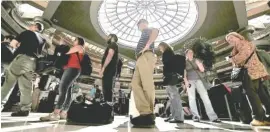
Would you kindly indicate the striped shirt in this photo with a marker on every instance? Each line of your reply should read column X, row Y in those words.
column 143, row 40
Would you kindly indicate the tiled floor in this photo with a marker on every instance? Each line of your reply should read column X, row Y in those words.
column 120, row 124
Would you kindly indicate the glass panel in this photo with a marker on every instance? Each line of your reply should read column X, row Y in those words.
column 174, row 19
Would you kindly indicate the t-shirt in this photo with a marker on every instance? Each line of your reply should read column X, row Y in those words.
column 29, row 43
column 192, row 70
column 143, row 40
column 111, row 67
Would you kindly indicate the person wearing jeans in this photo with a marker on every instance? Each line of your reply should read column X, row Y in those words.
column 72, row 71
column 170, row 68
column 192, row 79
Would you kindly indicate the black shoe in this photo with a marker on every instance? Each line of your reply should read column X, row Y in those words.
column 216, row 121
column 168, row 119
column 196, row 119
column 20, row 113
column 143, row 120
column 175, row 121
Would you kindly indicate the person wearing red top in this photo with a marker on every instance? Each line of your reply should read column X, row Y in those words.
column 71, row 72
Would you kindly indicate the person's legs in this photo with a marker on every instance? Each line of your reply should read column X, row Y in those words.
column 141, row 102
column 192, row 99
column 69, row 76
column 206, row 101
column 176, row 103
column 107, row 85
column 146, row 70
column 264, row 97
column 27, row 65
column 12, row 75
column 251, row 88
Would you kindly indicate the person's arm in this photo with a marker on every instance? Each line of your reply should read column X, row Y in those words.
column 14, row 43
column 186, row 80
column 244, row 51
column 74, row 50
column 200, row 66
column 152, row 38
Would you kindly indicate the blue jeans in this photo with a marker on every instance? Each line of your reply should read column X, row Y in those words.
column 65, row 89
column 198, row 85
column 176, row 103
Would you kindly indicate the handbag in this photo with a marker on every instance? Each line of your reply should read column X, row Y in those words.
column 237, row 74
column 175, row 79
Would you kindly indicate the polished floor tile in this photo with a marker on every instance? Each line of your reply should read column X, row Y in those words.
column 120, row 124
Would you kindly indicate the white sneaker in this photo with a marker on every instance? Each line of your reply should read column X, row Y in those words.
column 51, row 117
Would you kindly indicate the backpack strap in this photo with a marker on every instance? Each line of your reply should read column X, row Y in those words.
column 77, row 53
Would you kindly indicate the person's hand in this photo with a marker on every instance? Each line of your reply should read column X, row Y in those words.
column 101, row 72
column 186, row 85
column 145, row 48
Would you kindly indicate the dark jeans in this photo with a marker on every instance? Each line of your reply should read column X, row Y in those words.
column 257, row 96
column 65, row 89
column 107, row 86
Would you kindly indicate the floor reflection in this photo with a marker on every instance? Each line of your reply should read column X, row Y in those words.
column 120, row 124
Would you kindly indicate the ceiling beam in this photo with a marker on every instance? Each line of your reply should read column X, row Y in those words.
column 258, row 11
column 241, row 13
column 50, row 10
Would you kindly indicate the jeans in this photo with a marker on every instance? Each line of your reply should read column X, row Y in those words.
column 65, row 89
column 21, row 69
column 198, row 85
column 257, row 95
column 107, row 86
column 176, row 103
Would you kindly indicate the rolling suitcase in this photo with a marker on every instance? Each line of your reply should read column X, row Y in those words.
column 84, row 113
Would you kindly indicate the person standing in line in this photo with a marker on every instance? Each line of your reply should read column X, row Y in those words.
column 23, row 66
column 109, row 67
column 192, row 78
column 169, row 69
column 256, row 74
column 71, row 72
column 143, row 81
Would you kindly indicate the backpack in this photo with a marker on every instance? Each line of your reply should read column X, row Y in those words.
column 86, row 65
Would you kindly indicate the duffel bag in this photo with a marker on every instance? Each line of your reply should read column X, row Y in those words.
column 97, row 113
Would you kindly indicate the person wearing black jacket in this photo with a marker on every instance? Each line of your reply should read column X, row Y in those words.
column 169, row 70
column 23, row 66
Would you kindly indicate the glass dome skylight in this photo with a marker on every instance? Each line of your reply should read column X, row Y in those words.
column 173, row 18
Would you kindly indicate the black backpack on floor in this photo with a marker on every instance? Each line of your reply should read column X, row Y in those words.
column 96, row 113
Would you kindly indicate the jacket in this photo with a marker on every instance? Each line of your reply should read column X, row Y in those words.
column 240, row 53
column 265, row 59
column 172, row 64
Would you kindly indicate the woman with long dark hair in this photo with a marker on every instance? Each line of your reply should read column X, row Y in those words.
column 194, row 83
column 168, row 70
column 72, row 71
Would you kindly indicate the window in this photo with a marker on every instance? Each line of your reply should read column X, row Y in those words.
column 173, row 18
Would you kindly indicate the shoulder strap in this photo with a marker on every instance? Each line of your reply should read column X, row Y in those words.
column 77, row 53
column 249, row 57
